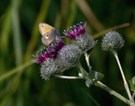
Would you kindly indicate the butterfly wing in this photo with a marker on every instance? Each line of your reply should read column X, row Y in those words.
column 48, row 33
column 45, row 28
column 47, row 39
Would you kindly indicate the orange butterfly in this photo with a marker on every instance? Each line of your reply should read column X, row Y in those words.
column 48, row 33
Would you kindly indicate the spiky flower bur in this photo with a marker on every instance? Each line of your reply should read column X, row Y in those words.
column 79, row 36
column 112, row 40
column 69, row 55
column 75, row 30
column 50, row 52
column 50, row 67
column 85, row 42
column 47, row 58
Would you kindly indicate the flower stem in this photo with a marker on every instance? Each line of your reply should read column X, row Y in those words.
column 103, row 86
column 83, row 72
column 112, row 92
column 87, row 56
column 67, row 77
column 123, row 76
column 98, row 84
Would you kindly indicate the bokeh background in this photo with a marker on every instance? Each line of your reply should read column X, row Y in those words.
column 20, row 39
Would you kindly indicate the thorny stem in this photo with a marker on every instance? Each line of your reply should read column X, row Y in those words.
column 123, row 76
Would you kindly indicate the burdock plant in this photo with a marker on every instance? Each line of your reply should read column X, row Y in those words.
column 111, row 42
column 59, row 56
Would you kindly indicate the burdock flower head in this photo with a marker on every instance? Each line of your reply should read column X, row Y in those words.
column 47, row 58
column 75, row 30
column 49, row 52
column 79, row 36
column 56, row 58
column 69, row 55
column 112, row 40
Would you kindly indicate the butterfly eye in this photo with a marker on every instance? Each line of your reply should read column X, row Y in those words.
column 42, row 26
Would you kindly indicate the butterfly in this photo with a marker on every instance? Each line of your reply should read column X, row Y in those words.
column 48, row 33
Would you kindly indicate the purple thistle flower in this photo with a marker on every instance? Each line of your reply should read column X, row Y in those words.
column 79, row 37
column 50, row 52
column 75, row 30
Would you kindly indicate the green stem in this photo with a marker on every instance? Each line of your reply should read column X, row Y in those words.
column 112, row 92
column 14, row 71
column 67, row 77
column 98, row 84
column 133, row 95
column 123, row 76
column 87, row 56
column 83, row 72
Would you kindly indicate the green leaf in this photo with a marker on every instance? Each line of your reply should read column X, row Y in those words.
column 132, row 84
column 88, row 82
column 93, row 76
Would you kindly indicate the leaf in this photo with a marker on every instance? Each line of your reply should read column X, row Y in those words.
column 88, row 82
column 132, row 83
column 93, row 76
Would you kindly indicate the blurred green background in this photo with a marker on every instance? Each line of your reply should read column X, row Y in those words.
column 20, row 39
